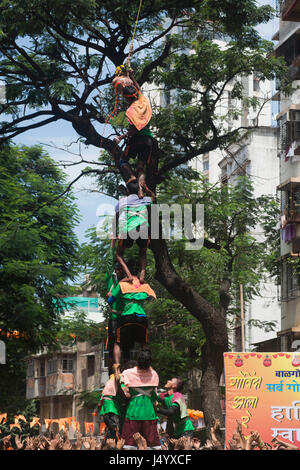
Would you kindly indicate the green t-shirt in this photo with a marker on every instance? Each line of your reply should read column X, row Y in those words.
column 131, row 303
column 111, row 404
column 124, row 304
column 145, row 131
column 132, row 218
column 141, row 406
column 181, row 424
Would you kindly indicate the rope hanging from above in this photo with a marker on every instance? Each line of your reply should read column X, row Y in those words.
column 123, row 68
column 133, row 36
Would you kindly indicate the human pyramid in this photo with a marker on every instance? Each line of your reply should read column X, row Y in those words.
column 130, row 403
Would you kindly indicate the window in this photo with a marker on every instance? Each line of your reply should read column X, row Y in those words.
column 255, row 83
column 290, row 204
column 205, row 165
column 167, row 97
column 30, row 369
column 42, row 368
column 67, row 365
column 91, row 365
column 289, row 281
column 289, row 130
column 104, row 357
column 52, row 366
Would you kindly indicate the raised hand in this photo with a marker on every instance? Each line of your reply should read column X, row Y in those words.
column 93, row 443
column 165, row 446
column 67, row 444
column 208, row 445
column 36, row 443
column 110, row 444
column 78, row 443
column 86, row 443
column 19, row 443
column 178, row 443
column 6, row 442
column 187, row 443
column 140, row 441
column 120, row 444
column 56, row 443
column 44, row 443
column 233, row 445
column 196, row 443
column 98, row 445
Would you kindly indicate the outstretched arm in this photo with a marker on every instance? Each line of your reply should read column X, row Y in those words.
column 168, row 411
column 131, row 76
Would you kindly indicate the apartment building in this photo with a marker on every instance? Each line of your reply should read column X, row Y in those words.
column 288, row 118
column 256, row 157
column 56, row 379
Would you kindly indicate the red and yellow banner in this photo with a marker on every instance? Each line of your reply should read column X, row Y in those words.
column 263, row 393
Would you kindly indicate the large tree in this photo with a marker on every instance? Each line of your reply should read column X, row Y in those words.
column 38, row 260
column 58, row 58
column 38, row 246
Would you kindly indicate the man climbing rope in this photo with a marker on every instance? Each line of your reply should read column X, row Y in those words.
column 140, row 140
column 175, row 409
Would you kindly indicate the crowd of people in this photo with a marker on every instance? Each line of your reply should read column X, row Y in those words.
column 253, row 441
column 61, row 441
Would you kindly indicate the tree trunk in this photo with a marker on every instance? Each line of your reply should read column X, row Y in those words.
column 193, row 388
column 212, row 367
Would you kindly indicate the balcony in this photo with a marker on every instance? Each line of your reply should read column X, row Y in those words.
column 290, row 10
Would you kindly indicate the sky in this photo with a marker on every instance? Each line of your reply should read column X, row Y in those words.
column 61, row 134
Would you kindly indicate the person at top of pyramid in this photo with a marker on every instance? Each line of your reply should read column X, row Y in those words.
column 140, row 141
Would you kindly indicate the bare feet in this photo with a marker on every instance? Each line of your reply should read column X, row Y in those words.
column 127, row 279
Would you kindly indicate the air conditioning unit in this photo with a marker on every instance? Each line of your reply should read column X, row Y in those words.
column 293, row 115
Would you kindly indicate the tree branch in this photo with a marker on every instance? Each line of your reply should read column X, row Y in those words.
column 20, row 130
